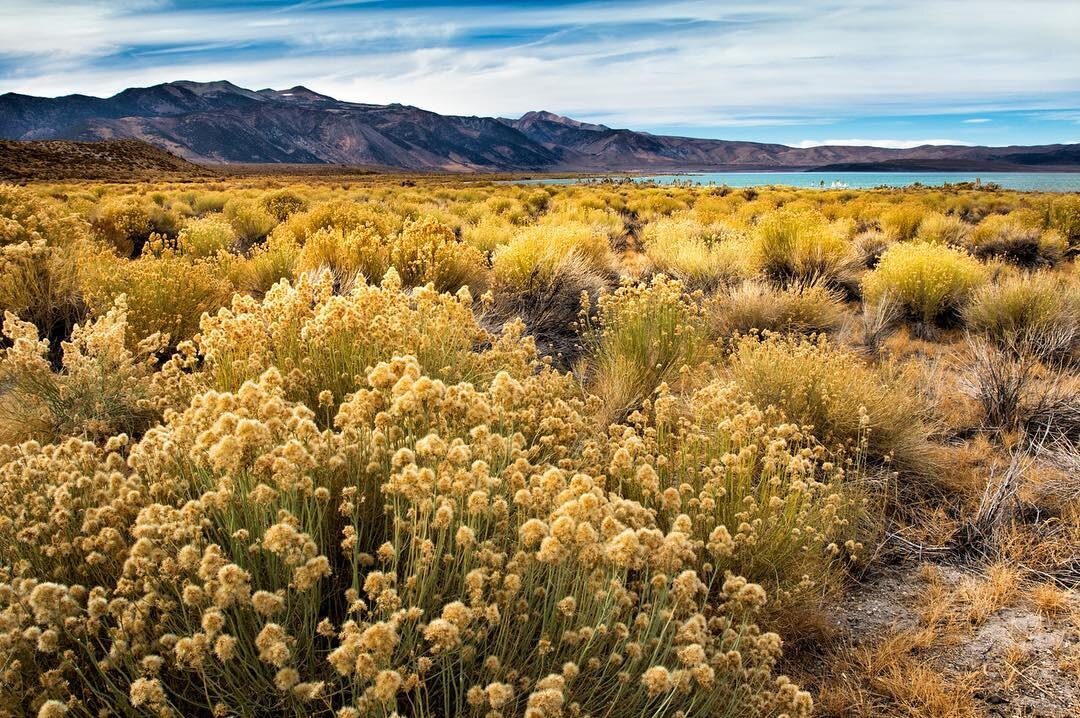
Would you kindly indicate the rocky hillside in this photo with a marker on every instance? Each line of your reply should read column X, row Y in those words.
column 116, row 160
column 219, row 122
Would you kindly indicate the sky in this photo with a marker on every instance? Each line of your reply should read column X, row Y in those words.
column 890, row 73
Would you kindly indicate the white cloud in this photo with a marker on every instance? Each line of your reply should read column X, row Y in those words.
column 976, row 120
column 891, row 144
column 782, row 63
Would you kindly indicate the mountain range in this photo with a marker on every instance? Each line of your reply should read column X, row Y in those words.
column 219, row 122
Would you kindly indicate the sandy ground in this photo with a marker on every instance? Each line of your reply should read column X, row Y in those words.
column 1023, row 663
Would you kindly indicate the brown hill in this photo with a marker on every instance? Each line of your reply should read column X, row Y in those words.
column 221, row 123
column 109, row 160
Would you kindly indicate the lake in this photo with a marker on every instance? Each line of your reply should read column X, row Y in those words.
column 1037, row 181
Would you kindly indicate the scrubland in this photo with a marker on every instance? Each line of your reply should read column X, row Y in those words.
column 451, row 448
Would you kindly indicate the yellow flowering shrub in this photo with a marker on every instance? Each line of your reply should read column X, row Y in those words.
column 929, row 281
column 101, row 389
column 1039, row 312
column 325, row 343
column 39, row 244
column 123, row 223
column 206, row 236
column 166, row 295
column 358, row 447
column 249, row 219
column 849, row 405
column 702, row 258
column 798, row 246
column 536, row 254
column 643, row 335
column 441, row 547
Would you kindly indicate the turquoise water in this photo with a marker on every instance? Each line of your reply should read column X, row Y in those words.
column 1038, row 181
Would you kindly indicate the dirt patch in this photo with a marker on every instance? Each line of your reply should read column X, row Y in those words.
column 1022, row 661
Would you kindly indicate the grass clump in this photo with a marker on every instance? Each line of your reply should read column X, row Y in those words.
column 804, row 308
column 1038, row 312
column 931, row 283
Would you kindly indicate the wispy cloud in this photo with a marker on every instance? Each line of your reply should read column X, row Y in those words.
column 976, row 120
column 683, row 64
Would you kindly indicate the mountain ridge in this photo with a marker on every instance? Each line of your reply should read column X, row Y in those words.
column 222, row 123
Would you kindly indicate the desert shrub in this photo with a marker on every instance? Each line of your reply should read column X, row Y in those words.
column 1005, row 237
column 489, row 232
column 868, row 247
column 902, row 222
column 165, row 295
column 536, row 253
column 39, row 256
column 340, row 215
column 427, row 251
column 206, row 236
column 164, row 221
column 326, row 342
column 1039, row 313
column 806, row 308
column 1016, row 390
column 550, row 309
column 123, row 223
column 250, row 220
column 847, row 402
column 700, row 257
column 206, row 202
column 793, row 246
column 430, row 554
column 930, row 282
column 713, row 443
column 1062, row 214
column 282, row 203
column 359, row 251
column 643, row 335
column 937, row 228
column 101, row 388
column 275, row 259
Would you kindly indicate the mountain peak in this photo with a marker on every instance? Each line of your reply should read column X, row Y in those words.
column 544, row 116
column 297, row 93
column 217, row 87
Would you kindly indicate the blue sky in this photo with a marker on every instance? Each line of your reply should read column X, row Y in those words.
column 798, row 72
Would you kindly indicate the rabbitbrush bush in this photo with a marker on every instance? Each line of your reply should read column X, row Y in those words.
column 1038, row 312
column 930, row 282
column 798, row 246
column 442, row 549
column 847, row 403
column 39, row 243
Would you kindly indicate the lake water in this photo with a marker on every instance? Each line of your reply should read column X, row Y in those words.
column 1038, row 181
